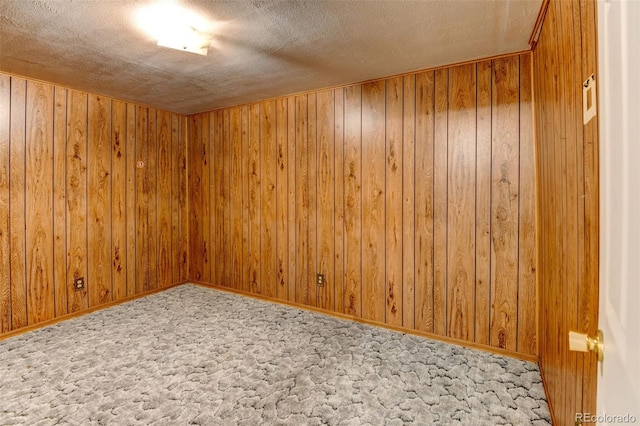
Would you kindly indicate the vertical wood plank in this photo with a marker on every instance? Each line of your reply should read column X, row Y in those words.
column 588, row 292
column 302, row 202
column 131, row 193
column 195, row 197
column 373, row 201
column 77, row 198
column 353, row 199
column 184, row 199
column 424, row 200
column 119, row 200
column 213, row 196
column 205, row 185
column 220, row 193
column 483, row 203
column 559, row 296
column 17, row 198
column 541, row 219
column 570, row 117
column 152, row 197
column 254, row 200
column 39, row 202
column 394, row 200
column 292, row 199
column 326, row 198
column 219, row 265
column 542, row 128
column 268, row 259
column 5, row 243
column 542, row 209
column 504, row 202
column 282, row 213
column 59, row 199
column 165, row 133
column 236, row 185
column 228, row 213
column 584, row 390
column 174, row 159
column 142, row 200
column 246, row 264
column 409, row 201
column 99, row 281
column 440, row 195
column 339, row 200
column 527, row 306
column 461, row 201
column 556, row 381
column 312, row 188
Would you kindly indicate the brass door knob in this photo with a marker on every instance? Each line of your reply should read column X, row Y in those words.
column 582, row 343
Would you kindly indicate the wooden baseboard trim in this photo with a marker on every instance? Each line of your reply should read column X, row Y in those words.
column 547, row 394
column 43, row 324
column 524, row 357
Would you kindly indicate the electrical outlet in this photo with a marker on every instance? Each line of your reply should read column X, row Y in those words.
column 320, row 280
column 78, row 283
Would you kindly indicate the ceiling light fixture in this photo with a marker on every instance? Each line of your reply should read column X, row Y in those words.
column 176, row 27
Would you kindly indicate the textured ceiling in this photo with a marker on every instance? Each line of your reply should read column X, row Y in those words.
column 260, row 49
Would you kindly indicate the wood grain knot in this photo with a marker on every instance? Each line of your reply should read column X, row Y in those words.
column 502, row 340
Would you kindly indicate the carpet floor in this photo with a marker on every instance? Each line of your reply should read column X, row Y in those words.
column 193, row 355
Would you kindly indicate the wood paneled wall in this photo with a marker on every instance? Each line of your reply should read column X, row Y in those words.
column 413, row 195
column 564, row 57
column 75, row 202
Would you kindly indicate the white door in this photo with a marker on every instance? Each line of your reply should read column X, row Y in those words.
column 619, row 115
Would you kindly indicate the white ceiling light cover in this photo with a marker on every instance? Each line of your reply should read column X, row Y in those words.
column 176, row 27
